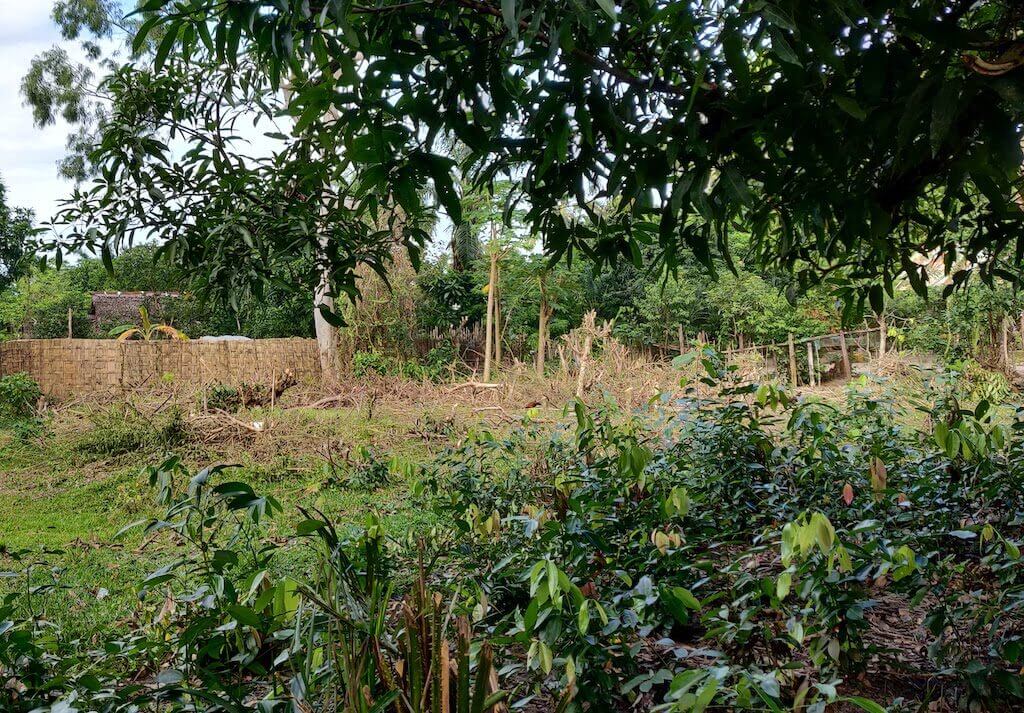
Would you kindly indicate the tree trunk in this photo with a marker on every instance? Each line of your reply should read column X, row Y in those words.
column 682, row 340
column 847, row 371
column 326, row 333
column 588, row 343
column 489, row 324
column 497, row 315
column 542, row 325
column 1004, row 343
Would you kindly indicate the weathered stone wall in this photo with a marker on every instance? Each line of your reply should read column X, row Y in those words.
column 78, row 366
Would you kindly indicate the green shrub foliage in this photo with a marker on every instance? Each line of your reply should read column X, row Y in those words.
column 19, row 394
column 732, row 547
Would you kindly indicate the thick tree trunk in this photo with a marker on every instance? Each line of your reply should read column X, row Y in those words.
column 489, row 323
column 326, row 333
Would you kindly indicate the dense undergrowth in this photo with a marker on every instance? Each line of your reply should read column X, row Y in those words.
column 731, row 548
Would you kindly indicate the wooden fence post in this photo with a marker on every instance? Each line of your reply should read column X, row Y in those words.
column 792, row 363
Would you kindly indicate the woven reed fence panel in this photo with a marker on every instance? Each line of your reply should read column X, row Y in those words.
column 75, row 366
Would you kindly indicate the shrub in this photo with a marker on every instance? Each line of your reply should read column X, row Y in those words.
column 361, row 470
column 724, row 553
column 223, row 397
column 749, row 526
column 976, row 383
column 117, row 432
column 19, row 394
column 435, row 366
column 247, row 394
column 234, row 635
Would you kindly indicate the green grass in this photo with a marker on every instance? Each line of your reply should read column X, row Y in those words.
column 63, row 501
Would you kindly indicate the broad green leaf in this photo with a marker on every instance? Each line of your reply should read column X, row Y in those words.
column 783, row 585
column 609, row 8
column 944, row 111
column 864, row 704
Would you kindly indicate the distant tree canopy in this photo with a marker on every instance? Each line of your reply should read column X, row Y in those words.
column 15, row 234
column 845, row 136
column 37, row 304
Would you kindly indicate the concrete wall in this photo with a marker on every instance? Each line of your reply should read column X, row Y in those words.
column 76, row 366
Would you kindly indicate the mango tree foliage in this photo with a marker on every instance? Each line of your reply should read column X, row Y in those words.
column 194, row 156
column 70, row 85
column 848, row 135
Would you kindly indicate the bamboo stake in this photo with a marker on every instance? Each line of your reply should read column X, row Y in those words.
column 542, row 329
column 810, row 364
column 489, row 332
column 793, row 378
column 883, row 333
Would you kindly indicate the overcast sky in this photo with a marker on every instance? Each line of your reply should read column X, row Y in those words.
column 28, row 156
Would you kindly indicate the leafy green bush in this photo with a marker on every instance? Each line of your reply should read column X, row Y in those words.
column 19, row 394
column 729, row 549
column 223, row 397
column 116, row 432
column 364, row 469
column 435, row 366
column 973, row 382
column 749, row 526
column 232, row 634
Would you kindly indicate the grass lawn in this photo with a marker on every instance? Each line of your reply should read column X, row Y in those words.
column 68, row 487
